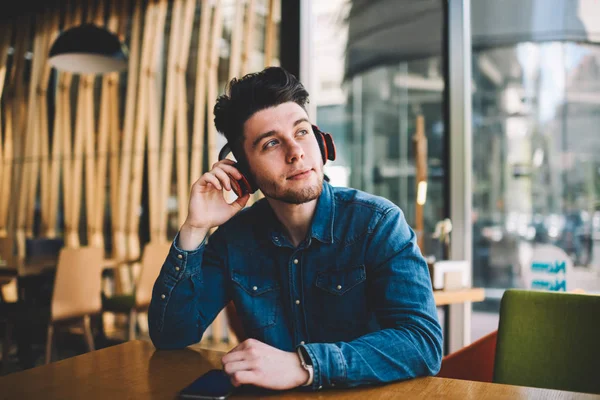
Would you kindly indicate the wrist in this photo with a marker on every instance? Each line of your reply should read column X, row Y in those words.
column 191, row 237
column 307, row 367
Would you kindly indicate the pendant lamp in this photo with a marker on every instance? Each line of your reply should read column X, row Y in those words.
column 88, row 49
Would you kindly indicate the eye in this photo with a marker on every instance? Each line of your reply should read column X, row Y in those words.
column 303, row 132
column 270, row 144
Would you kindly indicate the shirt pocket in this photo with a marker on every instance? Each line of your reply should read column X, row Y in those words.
column 340, row 296
column 256, row 297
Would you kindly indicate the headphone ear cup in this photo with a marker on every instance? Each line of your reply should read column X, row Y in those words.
column 241, row 187
column 330, row 145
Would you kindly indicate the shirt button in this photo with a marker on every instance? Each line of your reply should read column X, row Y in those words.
column 179, row 256
column 339, row 287
column 254, row 288
column 295, row 261
column 162, row 296
column 302, row 342
column 176, row 268
column 297, row 301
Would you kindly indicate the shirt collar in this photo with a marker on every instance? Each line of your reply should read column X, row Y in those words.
column 322, row 223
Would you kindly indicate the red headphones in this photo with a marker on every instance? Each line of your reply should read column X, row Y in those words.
column 247, row 185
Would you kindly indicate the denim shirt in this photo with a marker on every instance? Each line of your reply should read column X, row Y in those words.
column 356, row 293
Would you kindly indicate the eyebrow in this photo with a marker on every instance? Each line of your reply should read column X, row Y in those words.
column 272, row 133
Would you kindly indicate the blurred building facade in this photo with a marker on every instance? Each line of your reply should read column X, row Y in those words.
column 535, row 173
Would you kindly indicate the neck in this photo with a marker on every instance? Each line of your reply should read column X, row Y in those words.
column 295, row 218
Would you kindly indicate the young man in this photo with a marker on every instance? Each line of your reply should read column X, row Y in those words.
column 328, row 282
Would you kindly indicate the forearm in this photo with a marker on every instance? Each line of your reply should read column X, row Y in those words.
column 188, row 294
column 384, row 356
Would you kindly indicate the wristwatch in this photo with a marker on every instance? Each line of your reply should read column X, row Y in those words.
column 306, row 364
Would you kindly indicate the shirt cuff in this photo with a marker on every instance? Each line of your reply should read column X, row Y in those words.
column 329, row 365
column 185, row 262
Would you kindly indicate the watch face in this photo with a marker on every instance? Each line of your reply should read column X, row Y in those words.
column 304, row 357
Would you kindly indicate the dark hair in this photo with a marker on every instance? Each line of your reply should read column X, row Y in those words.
column 252, row 93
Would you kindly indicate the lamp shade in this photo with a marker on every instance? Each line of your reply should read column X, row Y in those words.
column 88, row 49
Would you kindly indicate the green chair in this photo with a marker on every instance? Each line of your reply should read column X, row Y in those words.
column 153, row 258
column 549, row 340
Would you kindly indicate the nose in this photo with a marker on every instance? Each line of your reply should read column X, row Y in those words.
column 295, row 152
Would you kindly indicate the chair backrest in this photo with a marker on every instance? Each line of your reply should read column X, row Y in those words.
column 78, row 283
column 7, row 255
column 474, row 362
column 549, row 340
column 154, row 256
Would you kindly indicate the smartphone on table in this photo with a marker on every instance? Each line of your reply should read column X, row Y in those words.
column 213, row 385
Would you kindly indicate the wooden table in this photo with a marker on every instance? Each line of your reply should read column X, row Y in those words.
column 447, row 297
column 444, row 298
column 134, row 370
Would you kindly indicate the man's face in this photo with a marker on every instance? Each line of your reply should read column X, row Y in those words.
column 283, row 154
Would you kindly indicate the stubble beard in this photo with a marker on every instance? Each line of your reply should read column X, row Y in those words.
column 290, row 196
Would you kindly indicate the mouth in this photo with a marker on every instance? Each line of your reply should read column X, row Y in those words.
column 300, row 174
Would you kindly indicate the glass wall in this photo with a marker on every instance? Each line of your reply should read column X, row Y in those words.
column 372, row 113
column 536, row 159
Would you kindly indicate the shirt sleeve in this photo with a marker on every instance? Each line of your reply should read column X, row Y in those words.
column 410, row 341
column 188, row 294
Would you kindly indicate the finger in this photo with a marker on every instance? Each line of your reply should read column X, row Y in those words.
column 224, row 161
column 233, row 356
column 223, row 177
column 241, row 201
column 210, row 178
column 235, row 366
column 231, row 170
column 244, row 378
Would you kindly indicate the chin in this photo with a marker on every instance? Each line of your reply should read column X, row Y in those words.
column 302, row 195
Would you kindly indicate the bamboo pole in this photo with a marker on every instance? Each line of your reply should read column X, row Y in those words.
column 48, row 214
column 115, row 126
column 249, row 37
column 120, row 229
column 213, row 77
column 166, row 156
column 17, row 101
column 213, row 82
column 104, row 134
column 89, row 152
column 37, row 135
column 30, row 150
column 235, row 53
column 60, row 130
column 269, row 33
column 183, row 162
column 6, row 147
column 133, row 245
column 200, row 95
column 73, row 145
column 154, row 124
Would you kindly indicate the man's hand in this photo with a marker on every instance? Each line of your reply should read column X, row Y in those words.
column 255, row 363
column 207, row 206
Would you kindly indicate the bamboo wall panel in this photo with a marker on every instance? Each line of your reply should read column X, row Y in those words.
column 64, row 167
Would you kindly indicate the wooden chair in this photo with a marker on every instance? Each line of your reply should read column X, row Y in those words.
column 152, row 260
column 76, row 293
